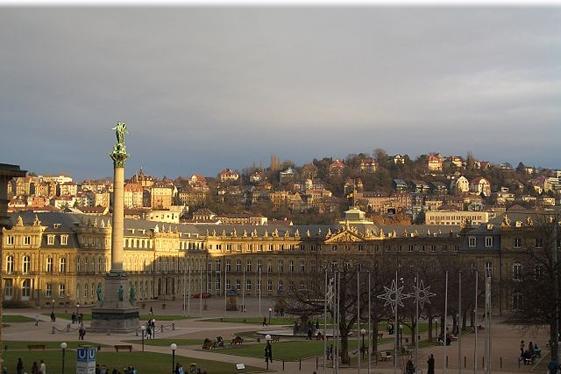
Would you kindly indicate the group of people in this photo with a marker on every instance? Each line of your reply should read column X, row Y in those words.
column 40, row 368
column 76, row 318
column 150, row 328
column 104, row 370
column 193, row 369
column 527, row 356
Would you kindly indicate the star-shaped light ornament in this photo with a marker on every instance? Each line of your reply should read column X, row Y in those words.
column 393, row 296
column 422, row 294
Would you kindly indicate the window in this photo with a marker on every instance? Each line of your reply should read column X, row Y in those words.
column 25, row 264
column 228, row 285
column 259, row 265
column 64, row 240
column 78, row 264
column 248, row 266
column 10, row 264
column 10, row 240
column 50, row 239
column 86, row 289
column 27, row 240
column 280, row 286
column 217, row 282
column 302, row 267
column 8, row 288
column 238, row 265
column 291, row 267
column 280, row 266
column 49, row 268
column 538, row 270
column 539, row 242
column 472, row 241
column 269, row 285
column 269, row 267
column 100, row 265
column 488, row 269
column 62, row 265
column 258, row 284
column 516, row 301
column 61, row 290
column 517, row 242
column 488, row 242
column 217, row 265
column 26, row 288
column 517, row 271
column 238, row 285
column 248, row 285
column 49, row 290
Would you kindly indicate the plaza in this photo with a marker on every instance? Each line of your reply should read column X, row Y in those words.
column 189, row 334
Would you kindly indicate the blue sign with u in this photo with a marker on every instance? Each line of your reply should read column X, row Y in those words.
column 85, row 354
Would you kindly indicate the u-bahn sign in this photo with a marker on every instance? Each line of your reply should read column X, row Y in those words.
column 85, row 360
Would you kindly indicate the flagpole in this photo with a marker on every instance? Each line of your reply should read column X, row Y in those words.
column 396, row 330
column 417, row 321
column 445, row 324
column 358, row 335
column 475, row 324
column 325, row 290
column 460, row 322
column 369, row 325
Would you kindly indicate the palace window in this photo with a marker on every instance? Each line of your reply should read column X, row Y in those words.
column 64, row 240
column 217, row 266
column 539, row 242
column 258, row 284
column 228, row 285
column 291, row 267
column 26, row 264
column 517, row 271
column 302, row 267
column 49, row 268
column 488, row 269
column 538, row 270
column 472, row 241
column 248, row 266
column 516, row 301
column 248, row 285
column 488, row 242
column 61, row 290
column 269, row 285
column 62, row 265
column 27, row 240
column 8, row 288
column 238, row 285
column 10, row 240
column 26, row 288
column 49, row 290
column 50, row 239
column 280, row 286
column 228, row 265
column 238, row 265
column 259, row 265
column 280, row 266
column 100, row 265
column 10, row 264
column 517, row 242
column 269, row 267
column 86, row 290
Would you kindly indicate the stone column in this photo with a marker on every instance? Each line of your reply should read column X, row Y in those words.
column 7, row 172
column 117, row 219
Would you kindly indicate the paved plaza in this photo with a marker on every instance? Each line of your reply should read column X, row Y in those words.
column 505, row 338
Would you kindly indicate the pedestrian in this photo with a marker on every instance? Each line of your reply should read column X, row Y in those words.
column 73, row 317
column 269, row 353
column 34, row 368
column 151, row 311
column 430, row 362
column 53, row 317
column 264, row 321
column 553, row 366
column 309, row 334
column 103, row 370
column 43, row 368
column 409, row 367
column 19, row 366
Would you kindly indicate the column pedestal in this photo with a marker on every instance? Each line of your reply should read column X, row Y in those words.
column 115, row 315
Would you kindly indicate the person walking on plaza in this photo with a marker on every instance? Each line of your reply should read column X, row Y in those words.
column 269, row 353
column 19, row 366
column 34, row 368
column 43, row 368
column 430, row 362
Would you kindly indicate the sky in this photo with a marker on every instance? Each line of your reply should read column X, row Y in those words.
column 205, row 88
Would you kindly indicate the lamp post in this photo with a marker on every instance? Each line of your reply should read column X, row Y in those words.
column 173, row 347
column 270, row 311
column 154, row 329
column 53, row 305
column 363, row 347
column 268, row 342
column 63, row 346
column 143, row 331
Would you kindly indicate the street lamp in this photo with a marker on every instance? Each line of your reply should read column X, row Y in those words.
column 154, row 328
column 173, row 347
column 77, row 309
column 267, row 356
column 53, row 305
column 270, row 311
column 363, row 348
column 143, row 331
column 63, row 347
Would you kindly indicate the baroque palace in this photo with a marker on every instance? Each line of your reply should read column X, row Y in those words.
column 61, row 258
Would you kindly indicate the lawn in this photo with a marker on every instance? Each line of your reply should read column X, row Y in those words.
column 253, row 320
column 167, row 342
column 15, row 319
column 288, row 351
column 13, row 345
column 144, row 362
column 143, row 317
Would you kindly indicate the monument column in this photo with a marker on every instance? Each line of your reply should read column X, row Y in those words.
column 116, row 310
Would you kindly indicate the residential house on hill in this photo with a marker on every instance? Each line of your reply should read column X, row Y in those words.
column 480, row 185
column 228, row 175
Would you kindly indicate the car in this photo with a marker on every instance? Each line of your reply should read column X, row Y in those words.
column 205, row 295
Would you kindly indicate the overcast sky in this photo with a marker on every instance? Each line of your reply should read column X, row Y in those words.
column 205, row 88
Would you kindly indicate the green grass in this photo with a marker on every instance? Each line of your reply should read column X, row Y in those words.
column 13, row 345
column 288, row 351
column 253, row 320
column 16, row 319
column 167, row 342
column 145, row 362
column 143, row 317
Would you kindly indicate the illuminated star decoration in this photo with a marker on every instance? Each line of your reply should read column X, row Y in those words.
column 422, row 294
column 393, row 296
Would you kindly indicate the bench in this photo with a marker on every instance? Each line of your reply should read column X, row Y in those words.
column 37, row 347
column 119, row 347
column 385, row 356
